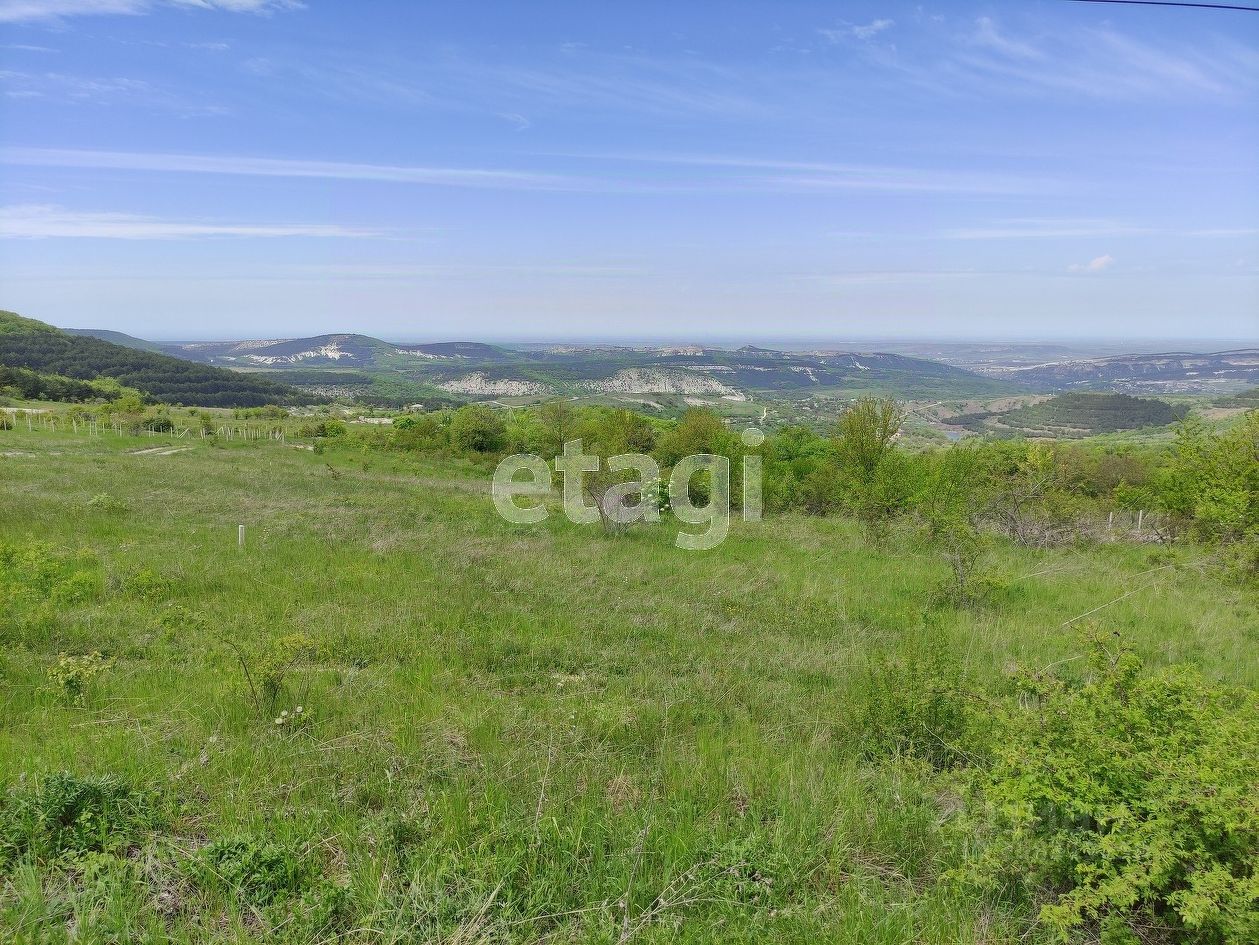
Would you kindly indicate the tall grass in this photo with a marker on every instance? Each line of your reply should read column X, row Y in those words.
column 512, row 733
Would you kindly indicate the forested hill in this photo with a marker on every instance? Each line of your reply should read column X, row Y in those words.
column 116, row 338
column 26, row 343
column 1076, row 414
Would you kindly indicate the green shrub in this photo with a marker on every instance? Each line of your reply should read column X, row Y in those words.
column 253, row 869
column 1125, row 802
column 104, row 502
column 1210, row 480
column 268, row 669
column 915, row 702
column 146, row 584
column 67, row 814
column 39, row 581
column 73, row 676
column 301, row 903
column 964, row 549
column 328, row 429
column 477, row 429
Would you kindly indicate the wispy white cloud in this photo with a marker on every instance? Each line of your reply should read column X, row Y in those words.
column 279, row 167
column 1226, row 232
column 520, row 122
column 887, row 277
column 14, row 11
column 43, row 221
column 570, row 79
column 803, row 176
column 585, row 79
column 56, row 85
column 64, row 88
column 863, row 32
column 1096, row 64
column 1047, row 228
column 738, row 174
column 1073, row 228
column 1097, row 264
column 987, row 34
column 368, row 271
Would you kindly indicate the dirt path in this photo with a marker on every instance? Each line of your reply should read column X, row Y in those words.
column 160, row 451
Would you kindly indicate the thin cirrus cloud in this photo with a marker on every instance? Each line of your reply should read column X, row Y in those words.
column 575, row 80
column 775, row 175
column 862, row 32
column 1022, row 229
column 1099, row 64
column 16, row 11
column 738, row 174
column 65, row 88
column 42, row 221
column 282, row 167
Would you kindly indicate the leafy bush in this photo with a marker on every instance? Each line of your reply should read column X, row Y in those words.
column 1125, row 802
column 964, row 548
column 39, row 578
column 276, row 876
column 328, row 429
column 1211, row 480
column 477, row 429
column 72, row 677
column 256, row 870
column 104, row 502
column 146, row 584
column 269, row 668
column 915, row 703
column 67, row 814
column 158, row 422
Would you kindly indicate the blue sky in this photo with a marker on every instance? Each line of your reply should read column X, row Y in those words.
column 261, row 168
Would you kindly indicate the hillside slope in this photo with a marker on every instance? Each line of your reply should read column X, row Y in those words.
column 116, row 338
column 31, row 344
column 505, row 728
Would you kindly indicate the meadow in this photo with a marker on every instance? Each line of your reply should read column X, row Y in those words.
column 506, row 733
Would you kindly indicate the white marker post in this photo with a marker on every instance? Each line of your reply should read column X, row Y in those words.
column 240, row 536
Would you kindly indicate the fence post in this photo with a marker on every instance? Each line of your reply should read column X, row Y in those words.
column 240, row 536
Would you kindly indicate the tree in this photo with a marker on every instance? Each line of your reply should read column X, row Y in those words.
column 866, row 434
column 558, row 425
column 610, row 432
column 477, row 428
column 699, row 431
column 1212, row 479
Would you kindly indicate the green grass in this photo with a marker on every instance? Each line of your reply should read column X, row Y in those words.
column 515, row 733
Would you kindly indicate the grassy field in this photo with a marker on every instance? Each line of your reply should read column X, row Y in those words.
column 508, row 733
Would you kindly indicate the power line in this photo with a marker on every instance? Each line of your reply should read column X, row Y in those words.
column 1170, row 3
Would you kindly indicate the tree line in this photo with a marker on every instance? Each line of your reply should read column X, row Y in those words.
column 1203, row 485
